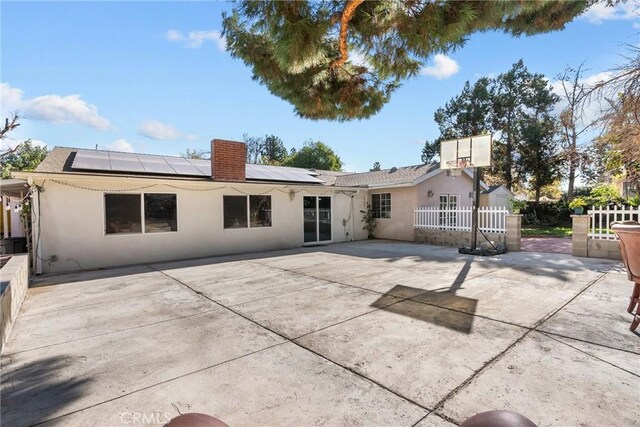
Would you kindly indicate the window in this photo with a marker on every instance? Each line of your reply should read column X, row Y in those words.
column 381, row 205
column 247, row 211
column 123, row 213
column 235, row 211
column 260, row 211
column 160, row 213
column 448, row 207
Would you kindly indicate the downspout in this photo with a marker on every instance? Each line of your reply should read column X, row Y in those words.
column 353, row 239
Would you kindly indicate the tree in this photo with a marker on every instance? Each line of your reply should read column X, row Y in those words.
column 464, row 115
column 196, row 153
column 376, row 167
column 9, row 125
column 314, row 155
column 430, row 151
column 255, row 145
column 620, row 143
column 24, row 157
column 573, row 123
column 300, row 49
column 273, row 151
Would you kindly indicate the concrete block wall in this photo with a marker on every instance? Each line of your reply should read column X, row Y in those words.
column 584, row 246
column 463, row 238
column 14, row 284
column 453, row 238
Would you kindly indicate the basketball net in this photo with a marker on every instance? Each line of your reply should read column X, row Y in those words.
column 457, row 166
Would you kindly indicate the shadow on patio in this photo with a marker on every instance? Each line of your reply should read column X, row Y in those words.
column 40, row 386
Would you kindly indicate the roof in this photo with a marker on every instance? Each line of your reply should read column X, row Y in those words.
column 493, row 188
column 393, row 176
column 61, row 160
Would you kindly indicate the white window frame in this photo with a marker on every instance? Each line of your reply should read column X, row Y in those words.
column 448, row 219
column 142, row 221
column 390, row 205
column 248, row 211
column 317, row 241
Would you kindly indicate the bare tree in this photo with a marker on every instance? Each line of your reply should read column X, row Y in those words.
column 9, row 125
column 623, row 87
column 573, row 121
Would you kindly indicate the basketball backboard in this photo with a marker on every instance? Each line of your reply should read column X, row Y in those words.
column 470, row 152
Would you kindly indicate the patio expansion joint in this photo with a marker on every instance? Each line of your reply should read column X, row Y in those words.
column 75, row 307
column 156, row 384
column 294, row 342
column 110, row 333
column 500, row 355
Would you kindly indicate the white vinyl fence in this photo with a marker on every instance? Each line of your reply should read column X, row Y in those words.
column 602, row 217
column 490, row 219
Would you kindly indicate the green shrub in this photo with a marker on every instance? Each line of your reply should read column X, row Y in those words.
column 577, row 202
column 604, row 195
column 517, row 205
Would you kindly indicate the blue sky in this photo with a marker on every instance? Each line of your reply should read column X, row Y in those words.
column 151, row 77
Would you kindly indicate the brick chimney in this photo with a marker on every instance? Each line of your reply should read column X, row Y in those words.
column 228, row 159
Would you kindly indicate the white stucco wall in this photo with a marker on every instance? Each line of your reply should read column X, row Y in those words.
column 499, row 198
column 405, row 199
column 72, row 222
column 461, row 185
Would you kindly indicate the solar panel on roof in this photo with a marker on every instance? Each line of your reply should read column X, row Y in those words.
column 156, row 164
column 125, row 162
column 204, row 166
column 94, row 160
column 183, row 166
column 166, row 165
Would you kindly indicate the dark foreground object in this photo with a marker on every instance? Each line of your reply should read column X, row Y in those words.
column 628, row 233
column 498, row 419
column 494, row 250
column 195, row 420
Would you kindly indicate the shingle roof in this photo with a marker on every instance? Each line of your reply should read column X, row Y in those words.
column 58, row 160
column 492, row 188
column 402, row 175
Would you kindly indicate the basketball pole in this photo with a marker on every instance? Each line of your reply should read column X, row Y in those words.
column 474, row 213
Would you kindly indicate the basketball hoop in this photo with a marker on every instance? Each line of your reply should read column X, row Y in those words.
column 456, row 166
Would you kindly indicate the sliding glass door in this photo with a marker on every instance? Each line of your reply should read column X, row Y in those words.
column 317, row 219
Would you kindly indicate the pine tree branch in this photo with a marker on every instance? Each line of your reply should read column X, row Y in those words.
column 347, row 13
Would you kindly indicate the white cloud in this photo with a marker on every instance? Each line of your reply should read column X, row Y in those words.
column 442, row 68
column 10, row 98
column 195, row 39
column 52, row 108
column 156, row 130
column 64, row 109
column 120, row 145
column 600, row 12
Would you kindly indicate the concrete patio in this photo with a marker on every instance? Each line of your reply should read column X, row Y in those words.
column 369, row 333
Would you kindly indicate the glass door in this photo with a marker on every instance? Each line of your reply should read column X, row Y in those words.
column 317, row 219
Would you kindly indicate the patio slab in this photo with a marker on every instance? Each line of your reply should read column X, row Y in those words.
column 299, row 313
column 63, row 378
column 599, row 315
column 414, row 349
column 56, row 327
column 528, row 301
column 195, row 335
column 284, row 385
column 59, row 292
column 553, row 385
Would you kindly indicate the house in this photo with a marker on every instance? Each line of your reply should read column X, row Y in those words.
column 395, row 192
column 94, row 209
column 496, row 195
